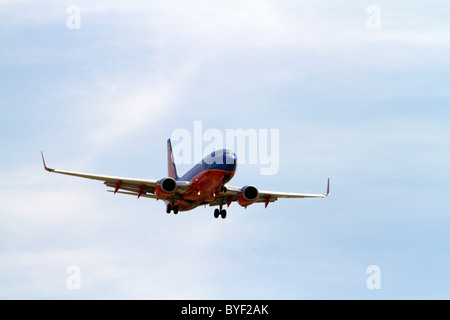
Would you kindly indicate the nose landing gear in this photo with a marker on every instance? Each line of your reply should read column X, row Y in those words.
column 220, row 212
column 173, row 208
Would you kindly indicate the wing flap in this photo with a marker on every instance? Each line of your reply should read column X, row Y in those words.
column 135, row 194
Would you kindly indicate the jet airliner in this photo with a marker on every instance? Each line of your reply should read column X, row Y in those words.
column 205, row 184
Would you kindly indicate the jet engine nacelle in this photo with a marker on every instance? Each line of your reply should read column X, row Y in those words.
column 165, row 188
column 247, row 196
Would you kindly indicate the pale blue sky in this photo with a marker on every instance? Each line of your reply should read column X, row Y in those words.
column 368, row 108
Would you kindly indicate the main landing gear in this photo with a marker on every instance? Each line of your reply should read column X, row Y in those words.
column 172, row 207
column 220, row 212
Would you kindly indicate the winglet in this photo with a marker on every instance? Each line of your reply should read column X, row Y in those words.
column 45, row 166
column 328, row 188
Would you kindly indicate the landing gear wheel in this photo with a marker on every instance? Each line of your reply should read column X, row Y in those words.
column 175, row 209
column 169, row 208
column 223, row 213
column 216, row 213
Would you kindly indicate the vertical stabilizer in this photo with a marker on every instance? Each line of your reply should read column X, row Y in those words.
column 170, row 163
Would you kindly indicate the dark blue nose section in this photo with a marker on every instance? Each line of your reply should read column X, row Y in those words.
column 222, row 160
column 230, row 161
column 230, row 158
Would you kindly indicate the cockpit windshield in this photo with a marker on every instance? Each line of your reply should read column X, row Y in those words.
column 221, row 153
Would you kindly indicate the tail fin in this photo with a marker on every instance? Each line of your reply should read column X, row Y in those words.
column 170, row 163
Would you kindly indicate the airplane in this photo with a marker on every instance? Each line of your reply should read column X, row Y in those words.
column 205, row 184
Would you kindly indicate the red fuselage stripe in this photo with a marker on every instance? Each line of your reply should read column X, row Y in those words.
column 204, row 189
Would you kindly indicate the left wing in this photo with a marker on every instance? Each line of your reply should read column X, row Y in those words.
column 232, row 194
column 131, row 186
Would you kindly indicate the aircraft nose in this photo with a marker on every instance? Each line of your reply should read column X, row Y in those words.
column 231, row 161
column 230, row 158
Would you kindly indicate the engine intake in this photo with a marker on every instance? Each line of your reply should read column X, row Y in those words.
column 165, row 188
column 247, row 196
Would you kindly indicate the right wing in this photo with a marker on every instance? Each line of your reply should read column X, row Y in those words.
column 131, row 186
